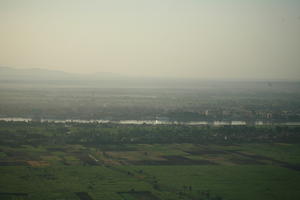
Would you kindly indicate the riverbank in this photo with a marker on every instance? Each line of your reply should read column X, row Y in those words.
column 151, row 122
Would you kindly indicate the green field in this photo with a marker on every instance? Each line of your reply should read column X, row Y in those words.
column 141, row 171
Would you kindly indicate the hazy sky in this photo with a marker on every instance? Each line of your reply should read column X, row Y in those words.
column 179, row 38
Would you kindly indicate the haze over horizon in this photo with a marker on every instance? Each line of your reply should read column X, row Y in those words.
column 227, row 39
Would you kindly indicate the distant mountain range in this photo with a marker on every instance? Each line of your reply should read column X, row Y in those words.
column 10, row 75
column 17, row 74
column 41, row 77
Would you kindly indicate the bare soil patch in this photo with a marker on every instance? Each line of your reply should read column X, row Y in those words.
column 37, row 163
column 206, row 152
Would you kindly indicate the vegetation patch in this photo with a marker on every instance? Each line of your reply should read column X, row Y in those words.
column 7, row 195
column 13, row 163
column 87, row 160
column 137, row 195
column 83, row 196
column 260, row 159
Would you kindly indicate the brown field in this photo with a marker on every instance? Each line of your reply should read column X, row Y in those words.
column 37, row 163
